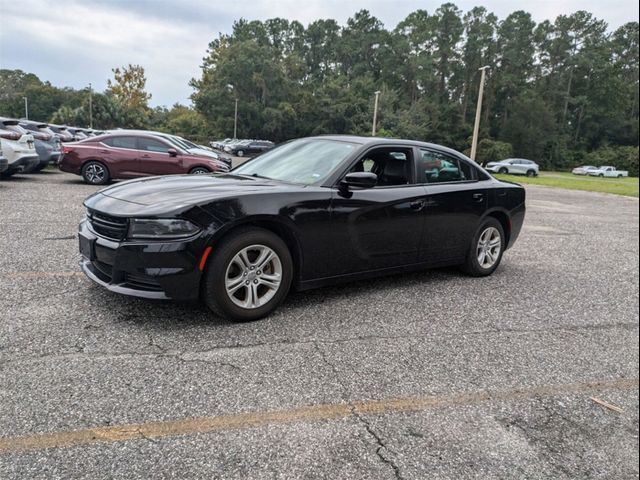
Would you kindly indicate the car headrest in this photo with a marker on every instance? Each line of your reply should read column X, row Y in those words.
column 395, row 171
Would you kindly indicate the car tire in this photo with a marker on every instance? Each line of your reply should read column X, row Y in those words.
column 531, row 173
column 199, row 171
column 601, row 175
column 224, row 288
column 477, row 265
column 7, row 174
column 240, row 153
column 620, row 176
column 503, row 170
column 95, row 173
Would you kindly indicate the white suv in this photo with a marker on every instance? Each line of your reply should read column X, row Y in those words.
column 517, row 166
column 20, row 151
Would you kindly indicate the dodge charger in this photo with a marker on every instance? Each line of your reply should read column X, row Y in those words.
column 311, row 212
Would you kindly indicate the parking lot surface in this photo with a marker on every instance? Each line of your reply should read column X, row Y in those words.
column 427, row 375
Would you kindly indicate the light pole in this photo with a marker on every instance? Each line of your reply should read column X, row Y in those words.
column 90, row 107
column 26, row 108
column 476, row 126
column 235, row 121
column 375, row 113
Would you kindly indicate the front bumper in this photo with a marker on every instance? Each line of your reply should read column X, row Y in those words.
column 153, row 270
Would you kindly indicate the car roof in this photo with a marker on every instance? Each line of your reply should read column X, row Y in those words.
column 378, row 141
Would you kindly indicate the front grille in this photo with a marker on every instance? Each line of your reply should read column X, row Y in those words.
column 107, row 226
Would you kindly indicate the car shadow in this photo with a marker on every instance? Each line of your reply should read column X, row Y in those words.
column 170, row 316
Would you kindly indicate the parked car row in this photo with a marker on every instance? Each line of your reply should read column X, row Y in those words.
column 604, row 171
column 243, row 148
column 29, row 146
column 123, row 154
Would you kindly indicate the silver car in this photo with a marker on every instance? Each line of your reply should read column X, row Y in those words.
column 584, row 170
column 514, row 166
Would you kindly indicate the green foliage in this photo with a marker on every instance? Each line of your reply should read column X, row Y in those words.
column 493, row 151
column 555, row 91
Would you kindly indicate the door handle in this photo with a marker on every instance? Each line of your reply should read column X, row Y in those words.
column 417, row 205
column 478, row 197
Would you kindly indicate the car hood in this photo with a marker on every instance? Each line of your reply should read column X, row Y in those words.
column 172, row 193
column 201, row 152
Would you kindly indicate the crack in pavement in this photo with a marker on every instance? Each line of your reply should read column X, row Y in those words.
column 382, row 446
column 314, row 342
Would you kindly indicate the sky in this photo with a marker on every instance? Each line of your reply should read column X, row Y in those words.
column 77, row 42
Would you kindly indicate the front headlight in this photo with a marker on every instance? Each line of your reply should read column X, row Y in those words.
column 164, row 228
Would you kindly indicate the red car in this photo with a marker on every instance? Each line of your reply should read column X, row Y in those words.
column 131, row 155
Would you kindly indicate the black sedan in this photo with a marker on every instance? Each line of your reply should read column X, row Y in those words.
column 311, row 212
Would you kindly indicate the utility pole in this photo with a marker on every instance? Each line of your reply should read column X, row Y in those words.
column 26, row 108
column 235, row 121
column 90, row 106
column 476, row 126
column 375, row 113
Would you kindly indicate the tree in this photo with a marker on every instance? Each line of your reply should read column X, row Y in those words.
column 128, row 90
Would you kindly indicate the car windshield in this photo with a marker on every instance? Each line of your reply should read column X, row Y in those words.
column 304, row 161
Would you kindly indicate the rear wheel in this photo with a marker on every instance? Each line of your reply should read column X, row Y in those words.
column 531, row 173
column 487, row 247
column 199, row 171
column 95, row 173
column 248, row 275
column 240, row 153
column 503, row 170
column 601, row 175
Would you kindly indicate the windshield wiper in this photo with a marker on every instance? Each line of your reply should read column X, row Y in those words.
column 257, row 175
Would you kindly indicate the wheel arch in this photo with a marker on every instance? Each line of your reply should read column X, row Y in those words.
column 98, row 160
column 273, row 224
column 503, row 217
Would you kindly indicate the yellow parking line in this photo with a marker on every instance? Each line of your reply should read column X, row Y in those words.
column 121, row 433
column 43, row 274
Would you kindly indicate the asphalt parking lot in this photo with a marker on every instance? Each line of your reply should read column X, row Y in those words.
column 429, row 375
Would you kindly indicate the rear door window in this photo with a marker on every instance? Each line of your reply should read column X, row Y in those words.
column 437, row 167
column 121, row 142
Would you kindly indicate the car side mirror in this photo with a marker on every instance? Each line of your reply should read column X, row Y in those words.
column 172, row 152
column 360, row 180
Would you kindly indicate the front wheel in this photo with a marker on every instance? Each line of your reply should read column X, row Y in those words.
column 531, row 173
column 240, row 153
column 199, row 171
column 248, row 275
column 487, row 247
column 503, row 170
column 601, row 175
column 95, row 173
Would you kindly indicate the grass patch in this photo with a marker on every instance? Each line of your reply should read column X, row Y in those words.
column 619, row 186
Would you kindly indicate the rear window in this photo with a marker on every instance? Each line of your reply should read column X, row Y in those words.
column 121, row 142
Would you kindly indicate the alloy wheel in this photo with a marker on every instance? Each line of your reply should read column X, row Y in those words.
column 489, row 246
column 253, row 276
column 95, row 173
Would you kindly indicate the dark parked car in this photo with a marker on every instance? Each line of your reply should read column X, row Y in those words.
column 63, row 132
column 311, row 212
column 248, row 147
column 129, row 155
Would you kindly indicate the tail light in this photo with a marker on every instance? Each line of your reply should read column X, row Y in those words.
column 9, row 135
